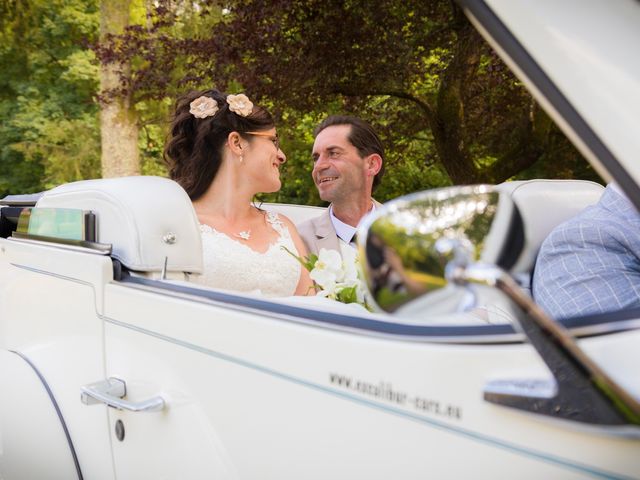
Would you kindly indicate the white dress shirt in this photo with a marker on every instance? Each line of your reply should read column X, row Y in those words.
column 344, row 231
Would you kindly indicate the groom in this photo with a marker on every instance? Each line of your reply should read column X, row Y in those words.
column 348, row 165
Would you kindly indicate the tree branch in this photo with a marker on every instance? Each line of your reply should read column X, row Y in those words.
column 424, row 106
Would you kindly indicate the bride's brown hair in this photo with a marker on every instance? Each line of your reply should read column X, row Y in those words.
column 194, row 147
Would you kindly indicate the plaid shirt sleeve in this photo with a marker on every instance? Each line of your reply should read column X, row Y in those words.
column 591, row 264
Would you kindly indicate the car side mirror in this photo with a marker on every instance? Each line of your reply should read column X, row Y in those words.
column 434, row 247
column 410, row 247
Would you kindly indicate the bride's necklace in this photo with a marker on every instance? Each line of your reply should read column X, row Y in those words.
column 244, row 234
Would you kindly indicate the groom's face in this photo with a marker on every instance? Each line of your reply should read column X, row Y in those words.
column 338, row 170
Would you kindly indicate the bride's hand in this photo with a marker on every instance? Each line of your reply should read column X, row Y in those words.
column 305, row 284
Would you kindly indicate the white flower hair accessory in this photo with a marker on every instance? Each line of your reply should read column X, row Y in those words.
column 240, row 104
column 203, row 107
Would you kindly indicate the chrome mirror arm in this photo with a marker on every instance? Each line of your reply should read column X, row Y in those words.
column 462, row 257
column 583, row 391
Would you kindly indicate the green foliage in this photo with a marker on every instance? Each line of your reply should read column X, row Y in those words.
column 153, row 131
column 296, row 132
column 49, row 132
column 446, row 109
column 416, row 70
column 410, row 161
column 348, row 295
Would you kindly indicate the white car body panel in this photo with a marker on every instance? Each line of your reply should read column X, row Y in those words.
column 291, row 389
column 60, row 331
column 250, row 394
column 258, row 394
column 30, row 426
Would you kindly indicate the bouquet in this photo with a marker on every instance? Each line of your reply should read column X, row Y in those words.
column 335, row 276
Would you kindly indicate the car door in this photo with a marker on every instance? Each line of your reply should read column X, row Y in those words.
column 250, row 395
column 257, row 389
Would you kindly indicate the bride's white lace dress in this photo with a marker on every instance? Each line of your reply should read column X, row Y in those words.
column 232, row 265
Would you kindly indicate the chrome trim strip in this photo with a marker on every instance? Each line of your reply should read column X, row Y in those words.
column 57, row 409
column 604, row 328
column 99, row 249
column 54, row 275
column 395, row 330
column 295, row 314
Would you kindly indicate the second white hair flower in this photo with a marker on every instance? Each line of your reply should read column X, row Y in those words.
column 203, row 107
column 240, row 104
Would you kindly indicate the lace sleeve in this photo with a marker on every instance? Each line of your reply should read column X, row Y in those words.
column 277, row 224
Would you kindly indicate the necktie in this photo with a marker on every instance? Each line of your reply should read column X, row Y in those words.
column 354, row 240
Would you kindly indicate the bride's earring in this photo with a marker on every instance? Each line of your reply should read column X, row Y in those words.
column 241, row 159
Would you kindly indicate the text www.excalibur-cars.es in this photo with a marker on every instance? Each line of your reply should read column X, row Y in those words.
column 384, row 391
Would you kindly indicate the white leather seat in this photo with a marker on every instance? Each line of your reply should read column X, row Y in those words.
column 148, row 219
column 145, row 219
column 544, row 204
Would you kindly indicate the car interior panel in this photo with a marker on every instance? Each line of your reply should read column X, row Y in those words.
column 162, row 240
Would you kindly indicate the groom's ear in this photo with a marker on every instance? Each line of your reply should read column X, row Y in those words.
column 373, row 164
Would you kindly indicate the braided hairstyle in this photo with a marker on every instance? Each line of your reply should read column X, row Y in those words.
column 194, row 148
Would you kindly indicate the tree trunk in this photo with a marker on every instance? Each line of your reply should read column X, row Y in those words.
column 449, row 122
column 118, row 119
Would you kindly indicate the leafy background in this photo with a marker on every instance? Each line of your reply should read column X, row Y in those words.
column 447, row 109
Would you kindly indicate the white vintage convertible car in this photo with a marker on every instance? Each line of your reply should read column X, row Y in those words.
column 114, row 364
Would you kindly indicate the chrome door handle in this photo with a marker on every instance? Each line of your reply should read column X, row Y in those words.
column 111, row 392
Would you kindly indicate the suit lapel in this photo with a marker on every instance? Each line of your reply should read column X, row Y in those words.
column 325, row 234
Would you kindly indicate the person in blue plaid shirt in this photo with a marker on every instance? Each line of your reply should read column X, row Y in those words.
column 591, row 263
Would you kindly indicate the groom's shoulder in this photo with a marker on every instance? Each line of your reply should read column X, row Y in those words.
column 308, row 226
column 311, row 223
column 314, row 228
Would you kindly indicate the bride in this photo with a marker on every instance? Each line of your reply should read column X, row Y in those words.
column 223, row 150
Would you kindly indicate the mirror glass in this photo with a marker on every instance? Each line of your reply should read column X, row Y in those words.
column 406, row 245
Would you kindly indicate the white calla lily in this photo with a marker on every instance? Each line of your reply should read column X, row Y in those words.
column 336, row 276
column 327, row 270
column 350, row 265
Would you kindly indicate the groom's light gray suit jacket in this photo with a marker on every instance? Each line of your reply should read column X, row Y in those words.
column 319, row 233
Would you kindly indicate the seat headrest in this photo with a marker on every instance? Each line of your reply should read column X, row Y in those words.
column 544, row 204
column 145, row 219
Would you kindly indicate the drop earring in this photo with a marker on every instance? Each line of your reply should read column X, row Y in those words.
column 241, row 159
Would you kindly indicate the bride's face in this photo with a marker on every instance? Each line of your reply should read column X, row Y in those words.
column 263, row 160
